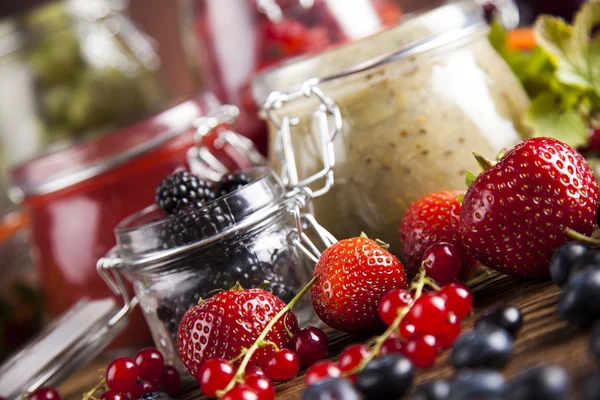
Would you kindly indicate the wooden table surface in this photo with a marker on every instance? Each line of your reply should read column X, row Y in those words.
column 544, row 339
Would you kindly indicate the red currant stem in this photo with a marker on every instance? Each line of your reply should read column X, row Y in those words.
column 240, row 356
column 90, row 394
column 290, row 334
column 266, row 343
column 431, row 283
column 417, row 285
column 581, row 237
column 239, row 374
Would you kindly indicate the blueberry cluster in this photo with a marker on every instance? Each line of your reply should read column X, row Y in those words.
column 576, row 269
column 238, row 265
column 386, row 377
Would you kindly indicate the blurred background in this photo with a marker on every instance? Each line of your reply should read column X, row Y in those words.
column 74, row 71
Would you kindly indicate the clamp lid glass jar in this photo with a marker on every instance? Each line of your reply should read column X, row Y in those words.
column 415, row 101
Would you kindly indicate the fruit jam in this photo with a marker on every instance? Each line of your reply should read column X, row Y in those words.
column 237, row 38
column 76, row 196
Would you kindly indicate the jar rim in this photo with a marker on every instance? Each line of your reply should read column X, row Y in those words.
column 429, row 29
column 141, row 238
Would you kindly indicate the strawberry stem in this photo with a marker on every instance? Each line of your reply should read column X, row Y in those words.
column 418, row 285
column 483, row 162
column 581, row 237
column 260, row 340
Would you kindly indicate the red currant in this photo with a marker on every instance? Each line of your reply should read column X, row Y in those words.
column 391, row 303
column 352, row 356
column 216, row 373
column 458, row 299
column 255, row 370
column 283, row 365
column 170, row 379
column 310, row 344
column 147, row 387
column 407, row 330
column 262, row 385
column 422, row 351
column 150, row 363
column 121, row 375
column 392, row 346
column 321, row 370
column 112, row 395
column 241, row 392
column 450, row 332
column 45, row 393
column 442, row 262
column 428, row 314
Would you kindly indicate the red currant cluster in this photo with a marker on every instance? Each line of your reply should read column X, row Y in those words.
column 420, row 324
column 219, row 378
column 43, row 393
column 128, row 379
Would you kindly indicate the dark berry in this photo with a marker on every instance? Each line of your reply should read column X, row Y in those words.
column 547, row 382
column 563, row 259
column 595, row 341
column 508, row 318
column 386, row 377
column 589, row 259
column 482, row 348
column 310, row 344
column 170, row 380
column 232, row 182
column 580, row 299
column 332, row 388
column 145, row 387
column 45, row 393
column 150, row 363
column 442, row 262
column 182, row 191
column 121, row 375
column 477, row 384
column 590, row 386
column 156, row 396
column 434, row 390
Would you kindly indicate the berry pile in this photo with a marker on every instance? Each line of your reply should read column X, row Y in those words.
column 575, row 267
column 44, row 393
column 490, row 345
column 131, row 378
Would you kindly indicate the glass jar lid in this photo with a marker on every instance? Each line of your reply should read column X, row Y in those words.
column 420, row 31
column 60, row 169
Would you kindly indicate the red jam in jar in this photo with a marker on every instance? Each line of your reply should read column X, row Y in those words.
column 75, row 198
column 237, row 38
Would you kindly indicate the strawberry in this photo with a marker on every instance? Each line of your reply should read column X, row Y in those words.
column 515, row 213
column 230, row 321
column 431, row 219
column 353, row 275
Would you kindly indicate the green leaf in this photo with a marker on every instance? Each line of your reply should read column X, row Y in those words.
column 460, row 198
column 470, row 178
column 547, row 118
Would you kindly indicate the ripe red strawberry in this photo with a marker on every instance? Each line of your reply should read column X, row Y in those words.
column 353, row 276
column 514, row 214
column 228, row 322
column 431, row 219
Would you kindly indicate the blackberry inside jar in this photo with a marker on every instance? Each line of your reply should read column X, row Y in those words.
column 242, row 237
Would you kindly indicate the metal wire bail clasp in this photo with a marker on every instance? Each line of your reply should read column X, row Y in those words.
column 109, row 269
column 327, row 121
column 201, row 159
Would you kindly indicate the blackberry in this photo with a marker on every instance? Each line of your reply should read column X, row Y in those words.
column 232, row 182
column 183, row 191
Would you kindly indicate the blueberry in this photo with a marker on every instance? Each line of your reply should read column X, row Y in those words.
column 580, row 299
column 590, row 386
column 477, row 385
column 595, row 341
column 434, row 390
column 332, row 389
column 508, row 318
column 491, row 348
column 563, row 259
column 589, row 259
column 156, row 396
column 387, row 377
column 547, row 382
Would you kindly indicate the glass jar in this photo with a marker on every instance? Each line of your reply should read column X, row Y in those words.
column 75, row 198
column 250, row 236
column 71, row 69
column 415, row 101
column 236, row 38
